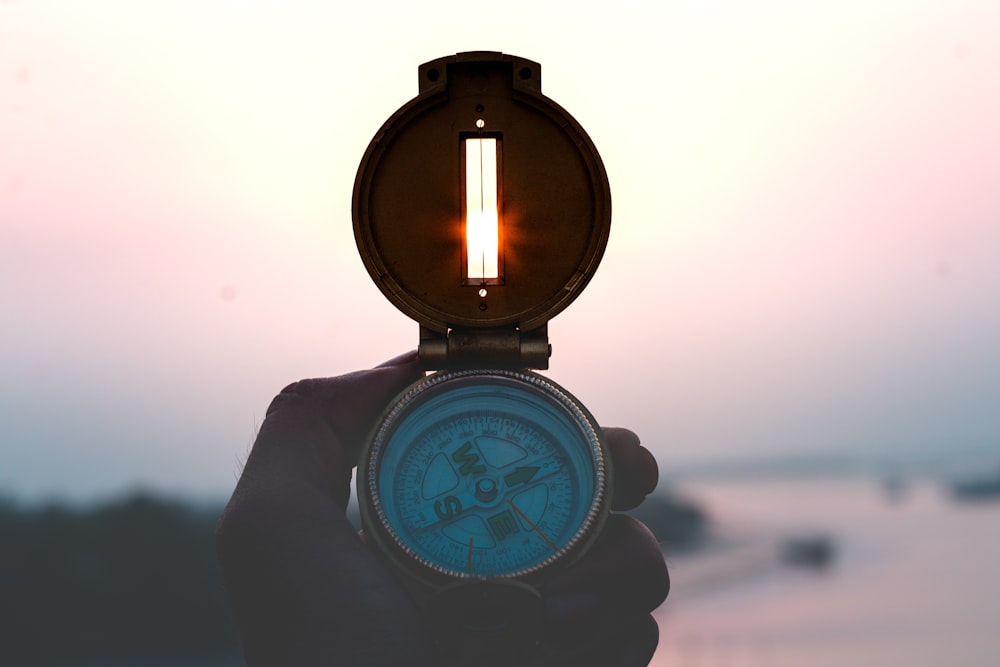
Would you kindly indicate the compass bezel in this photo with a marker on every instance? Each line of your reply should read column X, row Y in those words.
column 380, row 530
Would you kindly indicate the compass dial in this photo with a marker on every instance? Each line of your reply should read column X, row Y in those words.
column 485, row 473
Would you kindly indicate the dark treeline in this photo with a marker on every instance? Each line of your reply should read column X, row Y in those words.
column 135, row 582
column 130, row 582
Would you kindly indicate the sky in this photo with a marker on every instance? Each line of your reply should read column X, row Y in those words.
column 804, row 255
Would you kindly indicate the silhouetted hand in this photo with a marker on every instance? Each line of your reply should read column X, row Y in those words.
column 305, row 589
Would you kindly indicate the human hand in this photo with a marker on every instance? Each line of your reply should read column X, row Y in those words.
column 306, row 590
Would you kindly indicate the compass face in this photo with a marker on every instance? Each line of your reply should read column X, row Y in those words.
column 486, row 473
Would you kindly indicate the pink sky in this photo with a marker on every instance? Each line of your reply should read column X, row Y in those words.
column 805, row 251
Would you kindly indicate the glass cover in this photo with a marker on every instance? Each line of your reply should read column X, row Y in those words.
column 487, row 474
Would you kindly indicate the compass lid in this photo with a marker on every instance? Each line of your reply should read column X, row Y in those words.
column 553, row 200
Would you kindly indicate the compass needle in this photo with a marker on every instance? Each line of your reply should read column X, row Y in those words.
column 532, row 525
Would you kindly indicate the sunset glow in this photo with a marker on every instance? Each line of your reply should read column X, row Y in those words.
column 819, row 220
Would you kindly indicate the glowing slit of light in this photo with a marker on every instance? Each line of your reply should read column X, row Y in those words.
column 482, row 222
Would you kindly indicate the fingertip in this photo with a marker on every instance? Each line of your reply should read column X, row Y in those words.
column 636, row 472
column 617, row 436
column 652, row 469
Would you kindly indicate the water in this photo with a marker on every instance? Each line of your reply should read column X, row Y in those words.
column 914, row 580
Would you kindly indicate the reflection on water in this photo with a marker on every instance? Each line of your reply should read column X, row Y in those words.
column 886, row 574
column 912, row 579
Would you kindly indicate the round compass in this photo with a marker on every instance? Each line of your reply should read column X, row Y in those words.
column 484, row 473
column 481, row 209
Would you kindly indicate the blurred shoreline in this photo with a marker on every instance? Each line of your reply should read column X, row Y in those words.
column 769, row 562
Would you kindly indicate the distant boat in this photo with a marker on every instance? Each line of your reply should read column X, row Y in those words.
column 895, row 487
column 984, row 487
column 816, row 551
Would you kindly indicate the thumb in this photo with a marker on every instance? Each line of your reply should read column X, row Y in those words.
column 349, row 404
column 314, row 429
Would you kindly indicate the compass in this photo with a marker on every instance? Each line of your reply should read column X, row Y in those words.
column 481, row 210
column 485, row 473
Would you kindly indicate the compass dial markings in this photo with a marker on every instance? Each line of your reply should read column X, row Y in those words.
column 482, row 482
column 444, row 507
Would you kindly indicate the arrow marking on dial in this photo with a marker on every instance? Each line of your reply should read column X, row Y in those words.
column 522, row 475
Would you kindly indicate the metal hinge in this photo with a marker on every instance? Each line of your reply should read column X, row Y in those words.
column 506, row 348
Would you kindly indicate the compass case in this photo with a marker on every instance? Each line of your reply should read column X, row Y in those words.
column 483, row 480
